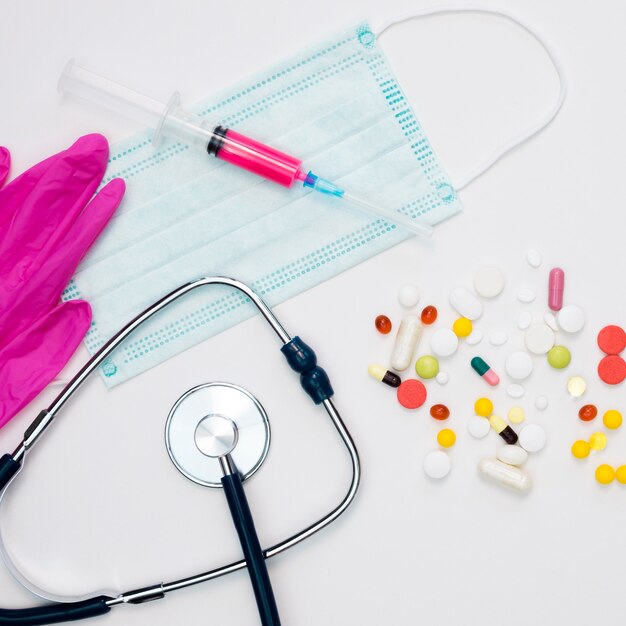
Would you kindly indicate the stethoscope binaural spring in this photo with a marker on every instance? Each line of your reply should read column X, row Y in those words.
column 314, row 381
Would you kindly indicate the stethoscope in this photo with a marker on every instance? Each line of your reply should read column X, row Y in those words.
column 217, row 435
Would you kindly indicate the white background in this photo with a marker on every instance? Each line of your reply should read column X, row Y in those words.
column 99, row 504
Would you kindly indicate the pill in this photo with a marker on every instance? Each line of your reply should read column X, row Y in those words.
column 612, row 419
column 532, row 437
column 571, row 318
column 444, row 342
column 550, row 320
column 483, row 407
column 576, row 386
column 605, row 474
column 515, row 390
column 440, row 412
column 411, row 394
column 442, row 378
column 513, row 455
column 474, row 338
column 498, row 338
column 505, row 474
column 516, row 415
column 489, row 282
column 581, row 449
column 524, row 320
column 429, row 314
column 465, row 303
column 383, row 324
column 541, row 403
column 533, row 257
column 597, row 441
column 427, row 366
column 462, row 327
column 556, row 285
column 503, row 429
column 383, row 375
column 482, row 369
column 612, row 339
column 559, row 357
column 437, row 464
column 612, row 369
column 519, row 365
column 478, row 427
column 587, row 412
column 620, row 474
column 539, row 339
column 526, row 295
column 407, row 339
column 446, row 438
column 409, row 296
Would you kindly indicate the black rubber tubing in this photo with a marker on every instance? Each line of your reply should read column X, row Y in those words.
column 54, row 613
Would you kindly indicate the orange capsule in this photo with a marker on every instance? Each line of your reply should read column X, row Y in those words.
column 429, row 314
column 587, row 412
column 440, row 411
column 383, row 324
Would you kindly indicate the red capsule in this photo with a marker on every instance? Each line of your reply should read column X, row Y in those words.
column 383, row 324
column 429, row 314
column 587, row 412
column 440, row 411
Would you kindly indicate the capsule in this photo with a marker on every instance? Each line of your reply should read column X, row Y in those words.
column 482, row 369
column 503, row 429
column 556, row 284
column 384, row 375
column 505, row 474
column 407, row 339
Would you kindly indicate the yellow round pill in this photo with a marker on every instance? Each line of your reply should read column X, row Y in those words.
column 580, row 449
column 462, row 327
column 620, row 474
column 597, row 441
column 483, row 407
column 605, row 474
column 516, row 415
column 612, row 419
column 446, row 438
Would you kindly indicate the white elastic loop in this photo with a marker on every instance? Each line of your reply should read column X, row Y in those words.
column 531, row 131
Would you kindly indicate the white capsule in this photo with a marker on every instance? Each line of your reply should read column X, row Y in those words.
column 512, row 455
column 505, row 474
column 407, row 339
column 526, row 295
column 409, row 296
column 465, row 303
column 533, row 257
column 474, row 338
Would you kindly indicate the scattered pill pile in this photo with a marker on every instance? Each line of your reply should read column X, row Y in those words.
column 542, row 338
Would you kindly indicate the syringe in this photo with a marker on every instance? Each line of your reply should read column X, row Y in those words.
column 171, row 120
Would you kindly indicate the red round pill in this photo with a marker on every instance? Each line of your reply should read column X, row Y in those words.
column 612, row 339
column 411, row 394
column 612, row 369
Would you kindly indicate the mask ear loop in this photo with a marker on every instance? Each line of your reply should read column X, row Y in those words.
column 529, row 132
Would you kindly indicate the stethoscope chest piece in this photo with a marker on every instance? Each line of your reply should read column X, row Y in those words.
column 214, row 420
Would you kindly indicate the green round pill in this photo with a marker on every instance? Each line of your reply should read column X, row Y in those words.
column 427, row 367
column 559, row 357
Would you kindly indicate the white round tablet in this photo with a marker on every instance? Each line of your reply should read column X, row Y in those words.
column 524, row 320
column 519, row 365
column 442, row 378
column 478, row 427
column 533, row 257
column 571, row 318
column 443, row 342
column 539, row 338
column 541, row 403
column 532, row 438
column 498, row 338
column 436, row 464
column 474, row 338
column 513, row 455
column 409, row 296
column 465, row 303
column 489, row 282
column 515, row 391
column 550, row 320
column 526, row 295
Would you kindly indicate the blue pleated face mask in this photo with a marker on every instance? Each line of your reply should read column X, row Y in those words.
column 338, row 106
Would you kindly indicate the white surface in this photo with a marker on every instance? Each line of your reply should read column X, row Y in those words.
column 410, row 551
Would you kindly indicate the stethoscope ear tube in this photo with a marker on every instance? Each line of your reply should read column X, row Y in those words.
column 8, row 468
column 55, row 613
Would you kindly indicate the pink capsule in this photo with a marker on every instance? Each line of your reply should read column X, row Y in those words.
column 556, row 284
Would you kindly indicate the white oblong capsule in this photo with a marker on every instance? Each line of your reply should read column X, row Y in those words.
column 407, row 339
column 465, row 303
column 505, row 474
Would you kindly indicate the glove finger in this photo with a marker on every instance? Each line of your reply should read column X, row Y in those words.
column 35, row 357
column 5, row 164
column 53, row 205
column 51, row 275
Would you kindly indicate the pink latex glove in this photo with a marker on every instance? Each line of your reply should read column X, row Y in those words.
column 48, row 221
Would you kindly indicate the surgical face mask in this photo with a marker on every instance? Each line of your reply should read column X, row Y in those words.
column 338, row 106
